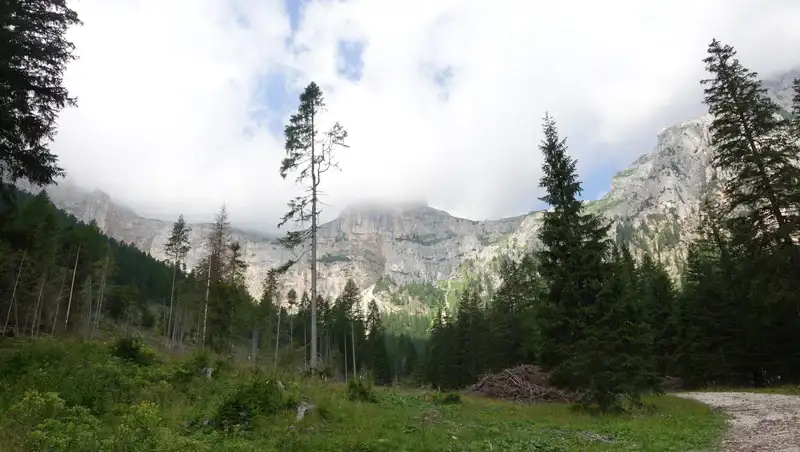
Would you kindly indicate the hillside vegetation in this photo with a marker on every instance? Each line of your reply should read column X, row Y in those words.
column 120, row 396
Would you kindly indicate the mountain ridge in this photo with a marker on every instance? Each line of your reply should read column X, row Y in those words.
column 653, row 205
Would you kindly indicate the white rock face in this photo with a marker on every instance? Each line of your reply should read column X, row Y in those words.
column 653, row 205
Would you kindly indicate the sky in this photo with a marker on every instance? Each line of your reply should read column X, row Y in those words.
column 182, row 103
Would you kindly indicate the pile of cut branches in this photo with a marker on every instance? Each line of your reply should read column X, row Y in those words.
column 525, row 383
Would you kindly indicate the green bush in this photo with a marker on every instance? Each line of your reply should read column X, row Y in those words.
column 359, row 389
column 259, row 397
column 132, row 350
column 447, row 398
column 193, row 367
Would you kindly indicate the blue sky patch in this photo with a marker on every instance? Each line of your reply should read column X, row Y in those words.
column 443, row 78
column 273, row 100
column 350, row 64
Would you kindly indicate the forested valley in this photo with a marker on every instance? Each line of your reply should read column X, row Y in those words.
column 107, row 348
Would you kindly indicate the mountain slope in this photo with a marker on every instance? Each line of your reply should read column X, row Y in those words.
column 413, row 257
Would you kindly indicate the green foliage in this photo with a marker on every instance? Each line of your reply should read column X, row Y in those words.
column 426, row 239
column 332, row 258
column 132, row 349
column 162, row 415
column 260, row 396
column 359, row 389
column 431, row 295
column 35, row 54
column 384, row 284
column 447, row 398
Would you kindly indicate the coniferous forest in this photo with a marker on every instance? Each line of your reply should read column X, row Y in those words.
column 605, row 324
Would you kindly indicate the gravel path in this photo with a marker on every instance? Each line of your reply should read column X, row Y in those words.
column 758, row 422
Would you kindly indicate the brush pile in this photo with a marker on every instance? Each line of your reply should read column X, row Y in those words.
column 525, row 383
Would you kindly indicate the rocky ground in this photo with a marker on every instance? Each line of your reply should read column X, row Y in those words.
column 758, row 422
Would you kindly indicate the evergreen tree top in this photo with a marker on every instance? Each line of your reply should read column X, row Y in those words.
column 559, row 177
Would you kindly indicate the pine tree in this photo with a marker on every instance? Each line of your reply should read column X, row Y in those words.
column 571, row 316
column 751, row 145
column 657, row 295
column 379, row 358
column 349, row 324
column 619, row 354
column 33, row 57
column 310, row 153
column 471, row 334
column 176, row 248
column 514, row 333
column 216, row 325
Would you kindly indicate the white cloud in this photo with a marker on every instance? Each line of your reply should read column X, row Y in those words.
column 166, row 88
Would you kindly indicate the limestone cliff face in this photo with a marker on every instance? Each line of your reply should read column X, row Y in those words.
column 653, row 205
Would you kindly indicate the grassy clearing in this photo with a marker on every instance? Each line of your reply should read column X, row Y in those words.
column 70, row 396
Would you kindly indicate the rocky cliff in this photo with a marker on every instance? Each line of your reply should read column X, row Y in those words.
column 412, row 256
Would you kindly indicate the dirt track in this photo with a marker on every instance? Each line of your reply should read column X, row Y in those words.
column 758, row 422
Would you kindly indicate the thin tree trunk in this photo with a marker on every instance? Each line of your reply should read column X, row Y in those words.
column 353, row 347
column 183, row 326
column 291, row 339
column 14, row 293
column 205, row 309
column 102, row 294
column 345, row 356
column 173, row 332
column 58, row 302
column 277, row 337
column 72, row 288
column 313, row 246
column 172, row 296
column 88, row 311
column 35, row 321
column 305, row 345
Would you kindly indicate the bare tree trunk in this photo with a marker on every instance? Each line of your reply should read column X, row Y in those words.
column 291, row 338
column 277, row 337
column 205, row 309
column 72, row 288
column 353, row 347
column 35, row 321
column 172, row 296
column 313, row 247
column 58, row 302
column 173, row 332
column 89, row 307
column 14, row 293
column 102, row 294
column 305, row 345
column 183, row 326
column 345, row 356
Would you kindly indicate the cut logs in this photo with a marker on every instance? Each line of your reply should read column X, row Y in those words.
column 525, row 383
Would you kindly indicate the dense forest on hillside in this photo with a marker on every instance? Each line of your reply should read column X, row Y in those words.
column 612, row 327
column 59, row 274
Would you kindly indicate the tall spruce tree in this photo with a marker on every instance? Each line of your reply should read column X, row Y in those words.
column 176, row 248
column 657, row 296
column 581, row 344
column 309, row 152
column 214, row 267
column 752, row 147
column 33, row 57
column 379, row 358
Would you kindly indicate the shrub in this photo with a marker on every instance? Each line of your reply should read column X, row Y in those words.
column 132, row 350
column 359, row 389
column 190, row 368
column 447, row 398
column 76, row 430
column 259, row 397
